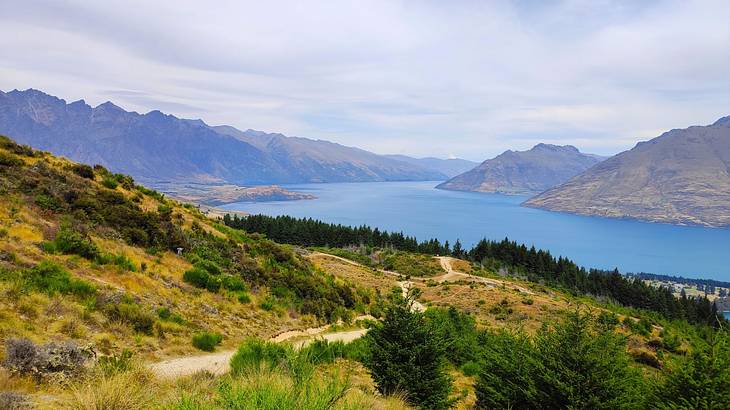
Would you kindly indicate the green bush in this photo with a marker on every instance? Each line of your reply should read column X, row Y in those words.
column 572, row 364
column 69, row 241
column 48, row 202
column 83, row 171
column 110, row 182
column 470, row 368
column 244, row 297
column 233, row 283
column 49, row 278
column 207, row 341
column 196, row 277
column 164, row 313
column 253, row 354
column 132, row 314
column 268, row 303
column 10, row 160
column 208, row 266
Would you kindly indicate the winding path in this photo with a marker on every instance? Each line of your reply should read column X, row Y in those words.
column 218, row 363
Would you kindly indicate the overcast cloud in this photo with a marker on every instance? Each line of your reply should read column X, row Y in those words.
column 468, row 79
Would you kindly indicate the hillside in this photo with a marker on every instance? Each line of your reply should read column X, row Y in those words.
column 155, row 147
column 680, row 177
column 524, row 172
column 450, row 167
column 111, row 291
column 322, row 161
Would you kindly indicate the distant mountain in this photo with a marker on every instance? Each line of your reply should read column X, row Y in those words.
column 323, row 161
column 524, row 172
column 681, row 177
column 449, row 167
column 157, row 147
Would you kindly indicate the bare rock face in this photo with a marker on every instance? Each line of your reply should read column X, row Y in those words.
column 680, row 177
column 524, row 172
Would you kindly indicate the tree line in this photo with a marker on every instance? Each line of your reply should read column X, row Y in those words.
column 536, row 265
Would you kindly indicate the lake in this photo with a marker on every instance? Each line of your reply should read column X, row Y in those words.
column 416, row 208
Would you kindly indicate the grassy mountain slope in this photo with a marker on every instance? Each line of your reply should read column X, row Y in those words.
column 121, row 240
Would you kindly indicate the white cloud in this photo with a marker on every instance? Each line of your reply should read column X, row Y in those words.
column 426, row 78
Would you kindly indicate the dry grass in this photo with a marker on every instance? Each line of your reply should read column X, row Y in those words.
column 130, row 390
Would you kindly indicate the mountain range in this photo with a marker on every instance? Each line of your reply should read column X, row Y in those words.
column 681, row 177
column 156, row 147
column 450, row 167
column 524, row 172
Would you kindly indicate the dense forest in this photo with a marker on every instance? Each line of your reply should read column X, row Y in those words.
column 536, row 265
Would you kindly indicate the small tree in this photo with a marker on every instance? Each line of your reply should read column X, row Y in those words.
column 703, row 380
column 572, row 364
column 405, row 356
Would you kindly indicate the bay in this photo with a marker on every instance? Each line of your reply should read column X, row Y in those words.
column 416, row 208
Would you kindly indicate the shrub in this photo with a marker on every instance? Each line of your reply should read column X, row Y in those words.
column 133, row 315
column 253, row 354
column 50, row 278
column 208, row 266
column 233, row 283
column 274, row 390
column 568, row 365
column 110, row 182
column 26, row 358
column 10, row 160
column 214, row 284
column 646, row 357
column 196, row 277
column 48, row 202
column 701, row 380
column 470, row 368
column 14, row 401
column 244, row 297
column 83, row 171
column 113, row 364
column 69, row 241
column 268, row 303
column 207, row 341
column 164, row 313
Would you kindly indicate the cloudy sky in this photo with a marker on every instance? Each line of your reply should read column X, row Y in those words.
column 467, row 79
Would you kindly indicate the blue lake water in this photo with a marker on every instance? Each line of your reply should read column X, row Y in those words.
column 416, row 208
column 727, row 315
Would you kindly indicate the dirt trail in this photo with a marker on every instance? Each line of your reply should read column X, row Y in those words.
column 217, row 363
column 451, row 274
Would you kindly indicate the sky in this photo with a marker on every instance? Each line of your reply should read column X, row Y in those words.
column 465, row 79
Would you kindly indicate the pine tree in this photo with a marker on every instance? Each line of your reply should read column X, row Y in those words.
column 571, row 365
column 703, row 380
column 405, row 356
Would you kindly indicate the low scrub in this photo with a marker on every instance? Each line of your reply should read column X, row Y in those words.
column 49, row 278
column 207, row 341
column 24, row 357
